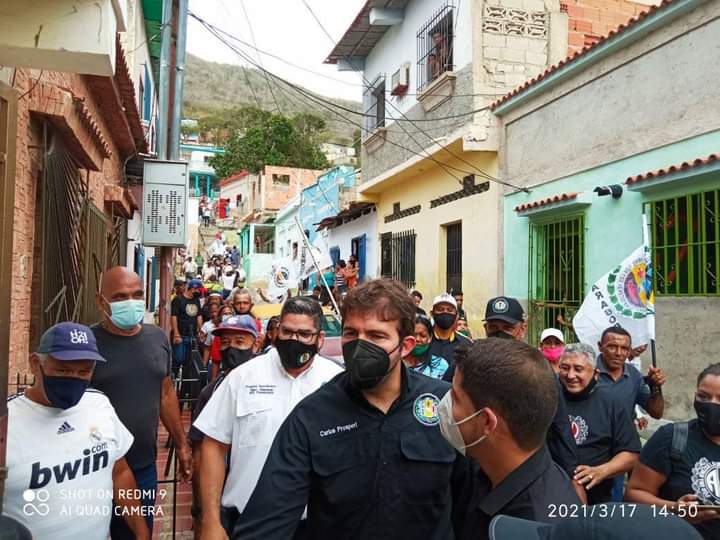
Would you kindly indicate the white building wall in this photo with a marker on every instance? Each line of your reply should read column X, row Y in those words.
column 286, row 231
column 399, row 45
column 342, row 237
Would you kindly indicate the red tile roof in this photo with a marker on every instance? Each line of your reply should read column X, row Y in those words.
column 546, row 202
column 685, row 165
column 574, row 57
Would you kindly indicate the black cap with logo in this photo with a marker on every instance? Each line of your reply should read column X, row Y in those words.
column 504, row 308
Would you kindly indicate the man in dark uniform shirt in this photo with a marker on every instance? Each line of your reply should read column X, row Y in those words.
column 505, row 318
column 608, row 443
column 498, row 412
column 445, row 340
column 364, row 453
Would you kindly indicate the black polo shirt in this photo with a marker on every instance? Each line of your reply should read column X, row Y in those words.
column 445, row 348
column 362, row 474
column 529, row 492
column 602, row 429
column 697, row 472
column 559, row 438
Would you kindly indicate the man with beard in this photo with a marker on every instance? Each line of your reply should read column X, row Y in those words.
column 247, row 409
column 364, row 453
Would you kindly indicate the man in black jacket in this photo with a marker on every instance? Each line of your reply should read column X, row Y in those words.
column 364, row 453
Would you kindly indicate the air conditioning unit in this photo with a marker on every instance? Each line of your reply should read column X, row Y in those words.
column 401, row 80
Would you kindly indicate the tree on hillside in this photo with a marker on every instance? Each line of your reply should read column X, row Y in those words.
column 258, row 138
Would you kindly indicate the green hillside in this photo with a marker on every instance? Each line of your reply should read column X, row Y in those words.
column 210, row 86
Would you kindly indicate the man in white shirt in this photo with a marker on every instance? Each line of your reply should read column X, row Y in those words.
column 66, row 446
column 248, row 408
column 190, row 268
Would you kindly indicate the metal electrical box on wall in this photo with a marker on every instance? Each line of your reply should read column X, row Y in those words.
column 165, row 185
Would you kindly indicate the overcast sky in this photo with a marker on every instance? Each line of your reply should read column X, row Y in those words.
column 284, row 28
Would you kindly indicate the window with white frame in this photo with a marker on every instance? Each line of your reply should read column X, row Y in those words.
column 374, row 104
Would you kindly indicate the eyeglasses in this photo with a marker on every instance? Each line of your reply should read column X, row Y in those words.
column 303, row 336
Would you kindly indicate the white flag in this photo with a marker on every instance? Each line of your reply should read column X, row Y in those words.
column 282, row 278
column 623, row 297
column 322, row 255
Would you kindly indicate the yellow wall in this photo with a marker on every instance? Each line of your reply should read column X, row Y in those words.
column 481, row 222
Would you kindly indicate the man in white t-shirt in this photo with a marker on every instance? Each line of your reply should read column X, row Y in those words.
column 248, row 408
column 66, row 446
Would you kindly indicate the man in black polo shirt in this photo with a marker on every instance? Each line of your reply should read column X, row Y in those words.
column 498, row 412
column 186, row 320
column 445, row 341
column 608, row 443
column 364, row 453
column 505, row 318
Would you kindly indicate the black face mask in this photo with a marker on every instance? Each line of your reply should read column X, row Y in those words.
column 445, row 320
column 366, row 363
column 583, row 394
column 708, row 414
column 293, row 353
column 196, row 295
column 232, row 358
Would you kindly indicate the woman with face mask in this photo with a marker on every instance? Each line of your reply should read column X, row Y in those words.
column 679, row 467
column 420, row 359
column 552, row 344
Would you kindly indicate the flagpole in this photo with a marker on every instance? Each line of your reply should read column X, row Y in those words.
column 646, row 243
column 306, row 241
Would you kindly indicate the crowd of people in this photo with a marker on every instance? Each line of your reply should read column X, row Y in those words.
column 423, row 432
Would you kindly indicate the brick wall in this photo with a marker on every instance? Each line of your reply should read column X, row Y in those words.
column 276, row 196
column 50, row 96
column 589, row 20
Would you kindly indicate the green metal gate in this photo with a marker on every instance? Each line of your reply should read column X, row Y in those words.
column 556, row 275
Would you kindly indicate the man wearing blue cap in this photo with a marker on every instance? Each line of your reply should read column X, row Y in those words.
column 66, row 446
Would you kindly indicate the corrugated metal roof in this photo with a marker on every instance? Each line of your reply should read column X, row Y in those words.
column 361, row 37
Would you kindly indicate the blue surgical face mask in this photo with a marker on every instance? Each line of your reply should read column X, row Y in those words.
column 63, row 392
column 127, row 314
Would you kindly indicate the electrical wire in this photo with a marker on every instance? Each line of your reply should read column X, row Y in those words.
column 325, row 105
column 209, row 26
column 252, row 36
column 37, row 81
column 444, row 147
column 245, row 75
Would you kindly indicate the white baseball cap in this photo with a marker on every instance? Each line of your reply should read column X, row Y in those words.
column 445, row 298
column 554, row 332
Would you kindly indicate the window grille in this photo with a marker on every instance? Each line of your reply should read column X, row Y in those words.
column 454, row 256
column 398, row 257
column 435, row 46
column 685, row 240
column 556, row 275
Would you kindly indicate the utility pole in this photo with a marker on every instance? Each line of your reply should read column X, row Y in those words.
column 168, row 144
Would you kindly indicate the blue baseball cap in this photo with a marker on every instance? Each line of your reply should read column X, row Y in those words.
column 194, row 284
column 70, row 341
column 237, row 323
